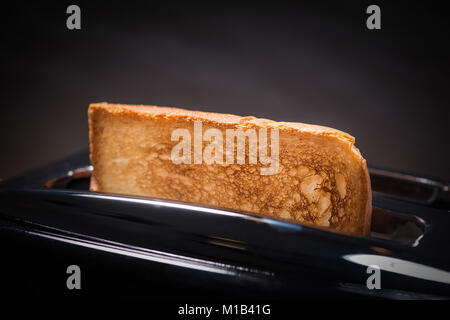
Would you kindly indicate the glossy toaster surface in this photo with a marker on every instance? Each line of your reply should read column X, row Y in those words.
column 158, row 249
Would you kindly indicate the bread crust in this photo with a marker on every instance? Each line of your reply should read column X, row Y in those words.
column 124, row 138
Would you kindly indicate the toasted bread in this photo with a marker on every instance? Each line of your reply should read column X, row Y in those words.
column 321, row 178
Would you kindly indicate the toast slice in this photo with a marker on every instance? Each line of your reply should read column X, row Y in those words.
column 302, row 173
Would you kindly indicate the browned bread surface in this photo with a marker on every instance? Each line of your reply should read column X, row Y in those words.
column 322, row 179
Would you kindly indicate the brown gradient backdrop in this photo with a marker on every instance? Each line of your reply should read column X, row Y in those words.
column 309, row 63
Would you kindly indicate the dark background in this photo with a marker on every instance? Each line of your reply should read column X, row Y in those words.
column 313, row 62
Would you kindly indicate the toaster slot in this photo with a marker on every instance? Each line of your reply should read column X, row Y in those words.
column 387, row 225
column 406, row 187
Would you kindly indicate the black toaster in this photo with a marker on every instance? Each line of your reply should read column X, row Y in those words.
column 132, row 247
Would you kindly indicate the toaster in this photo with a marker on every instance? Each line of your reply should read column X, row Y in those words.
column 135, row 247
